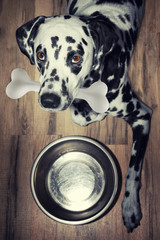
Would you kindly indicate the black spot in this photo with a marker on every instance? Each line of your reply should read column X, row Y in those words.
column 70, row 39
column 84, row 41
column 138, row 106
column 82, row 107
column 87, row 83
column 85, row 30
column 56, row 78
column 69, row 49
column 130, row 107
column 73, row 9
column 96, row 14
column 43, row 84
column 67, row 17
column 56, row 54
column 127, row 96
column 54, row 41
column 76, row 112
column 113, row 109
column 80, row 49
column 64, row 88
column 50, row 86
column 42, row 70
column 146, row 117
column 88, row 119
column 53, row 73
column 127, row 194
column 122, row 19
column 137, row 179
column 128, row 176
column 140, row 143
column 76, row 69
column 127, row 17
column 132, row 117
column 111, row 96
column 47, row 66
column 120, row 114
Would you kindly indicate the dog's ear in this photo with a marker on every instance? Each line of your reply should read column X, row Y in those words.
column 26, row 35
column 103, row 34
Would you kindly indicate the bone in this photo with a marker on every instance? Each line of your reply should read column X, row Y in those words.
column 95, row 95
column 21, row 84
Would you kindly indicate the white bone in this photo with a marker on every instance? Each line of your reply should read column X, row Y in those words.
column 21, row 83
column 95, row 95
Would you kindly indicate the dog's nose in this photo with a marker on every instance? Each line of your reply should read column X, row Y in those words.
column 50, row 100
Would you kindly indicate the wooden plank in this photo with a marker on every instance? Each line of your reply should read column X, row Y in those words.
column 18, row 113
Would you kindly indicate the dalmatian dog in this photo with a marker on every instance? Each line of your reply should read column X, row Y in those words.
column 93, row 41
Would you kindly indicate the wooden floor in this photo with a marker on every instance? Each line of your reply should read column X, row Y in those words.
column 25, row 129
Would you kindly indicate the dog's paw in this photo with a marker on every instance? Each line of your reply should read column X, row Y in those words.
column 131, row 212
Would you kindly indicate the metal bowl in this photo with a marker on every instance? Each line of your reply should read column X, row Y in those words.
column 74, row 180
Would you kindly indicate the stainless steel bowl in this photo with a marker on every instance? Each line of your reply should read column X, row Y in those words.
column 74, row 180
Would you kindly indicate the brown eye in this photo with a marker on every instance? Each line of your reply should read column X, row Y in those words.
column 41, row 55
column 76, row 59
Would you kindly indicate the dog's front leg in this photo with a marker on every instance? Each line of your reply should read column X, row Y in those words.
column 139, row 119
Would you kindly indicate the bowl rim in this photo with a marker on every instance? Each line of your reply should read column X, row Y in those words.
column 115, row 171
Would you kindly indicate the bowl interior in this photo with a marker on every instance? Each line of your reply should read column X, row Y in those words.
column 74, row 180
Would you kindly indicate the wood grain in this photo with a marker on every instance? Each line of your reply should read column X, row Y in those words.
column 25, row 129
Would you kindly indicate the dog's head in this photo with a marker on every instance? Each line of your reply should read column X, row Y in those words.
column 65, row 50
column 62, row 50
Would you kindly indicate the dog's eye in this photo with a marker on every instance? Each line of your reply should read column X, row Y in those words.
column 76, row 59
column 41, row 55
